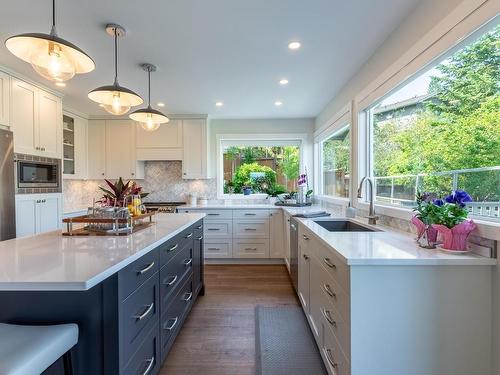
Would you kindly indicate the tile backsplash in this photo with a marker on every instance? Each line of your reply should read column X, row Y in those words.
column 162, row 180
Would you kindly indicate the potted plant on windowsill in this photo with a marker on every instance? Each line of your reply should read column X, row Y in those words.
column 427, row 210
column 452, row 222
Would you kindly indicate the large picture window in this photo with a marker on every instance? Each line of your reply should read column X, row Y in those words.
column 441, row 130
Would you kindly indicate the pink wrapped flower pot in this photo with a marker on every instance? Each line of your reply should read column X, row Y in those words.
column 421, row 228
column 455, row 238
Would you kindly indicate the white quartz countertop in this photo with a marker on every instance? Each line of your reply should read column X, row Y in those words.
column 51, row 261
column 292, row 210
column 388, row 248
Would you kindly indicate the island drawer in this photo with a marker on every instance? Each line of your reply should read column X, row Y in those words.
column 146, row 360
column 136, row 273
column 251, row 248
column 137, row 313
column 218, row 229
column 173, row 274
column 250, row 214
column 174, row 315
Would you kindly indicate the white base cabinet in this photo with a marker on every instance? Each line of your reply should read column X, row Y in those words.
column 38, row 213
column 393, row 320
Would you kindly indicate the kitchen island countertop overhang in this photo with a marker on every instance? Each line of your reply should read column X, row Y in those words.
column 52, row 262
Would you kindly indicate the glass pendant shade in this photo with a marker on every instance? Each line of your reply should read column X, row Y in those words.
column 52, row 57
column 149, row 118
column 115, row 99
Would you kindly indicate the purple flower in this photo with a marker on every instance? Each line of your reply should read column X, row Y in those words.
column 458, row 197
column 438, row 202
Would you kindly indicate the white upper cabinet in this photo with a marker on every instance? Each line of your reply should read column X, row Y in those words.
column 195, row 155
column 36, row 119
column 165, row 143
column 96, row 149
column 4, row 99
column 74, row 146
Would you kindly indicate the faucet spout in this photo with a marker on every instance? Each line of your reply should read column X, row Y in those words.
column 372, row 218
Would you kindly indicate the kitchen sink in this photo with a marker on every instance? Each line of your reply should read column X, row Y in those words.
column 344, row 226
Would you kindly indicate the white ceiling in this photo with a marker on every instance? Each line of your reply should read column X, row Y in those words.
column 229, row 50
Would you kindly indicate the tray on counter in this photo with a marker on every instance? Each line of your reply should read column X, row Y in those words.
column 284, row 204
column 114, row 227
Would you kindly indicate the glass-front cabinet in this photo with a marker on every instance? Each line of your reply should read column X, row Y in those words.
column 74, row 146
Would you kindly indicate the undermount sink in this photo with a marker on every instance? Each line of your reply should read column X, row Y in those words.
column 344, row 226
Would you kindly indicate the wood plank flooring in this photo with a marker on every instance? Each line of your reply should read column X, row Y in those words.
column 219, row 335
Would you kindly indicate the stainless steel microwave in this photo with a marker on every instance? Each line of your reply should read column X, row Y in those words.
column 42, row 174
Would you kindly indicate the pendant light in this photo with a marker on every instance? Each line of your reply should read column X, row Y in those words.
column 52, row 57
column 149, row 118
column 115, row 99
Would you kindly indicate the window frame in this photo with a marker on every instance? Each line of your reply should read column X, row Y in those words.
column 223, row 140
column 445, row 39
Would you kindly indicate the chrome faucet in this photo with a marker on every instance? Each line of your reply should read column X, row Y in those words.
column 372, row 218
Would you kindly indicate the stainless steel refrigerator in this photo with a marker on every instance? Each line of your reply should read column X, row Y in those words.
column 7, row 186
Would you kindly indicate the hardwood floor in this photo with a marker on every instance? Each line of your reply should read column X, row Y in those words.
column 219, row 334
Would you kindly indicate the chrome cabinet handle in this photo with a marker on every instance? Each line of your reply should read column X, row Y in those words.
column 144, row 270
column 199, row 227
column 293, row 226
column 43, row 148
column 214, row 248
column 249, row 214
column 306, row 257
column 328, row 316
column 213, row 214
column 171, row 282
column 102, row 174
column 329, row 291
column 37, row 148
column 251, row 248
column 188, row 262
column 189, row 235
column 329, row 357
column 150, row 366
column 173, row 248
column 305, row 237
column 188, row 297
column 199, row 238
column 43, row 201
column 213, row 229
column 146, row 312
column 171, row 327
column 251, row 229
column 329, row 263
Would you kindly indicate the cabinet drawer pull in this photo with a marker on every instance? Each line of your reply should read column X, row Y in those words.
column 329, row 291
column 249, row 214
column 146, row 312
column 150, row 365
column 329, row 263
column 171, row 282
column 188, row 262
column 199, row 238
column 144, row 270
column 250, row 229
column 173, row 248
column 171, row 327
column 213, row 214
column 214, row 248
column 251, row 248
column 306, row 257
column 328, row 316
column 329, row 357
column 305, row 237
column 199, row 227
column 213, row 229
column 189, row 235
column 187, row 297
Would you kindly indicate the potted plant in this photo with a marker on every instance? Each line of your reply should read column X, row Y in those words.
column 452, row 223
column 247, row 188
column 427, row 210
column 274, row 192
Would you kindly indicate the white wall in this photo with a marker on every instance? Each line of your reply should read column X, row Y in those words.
column 422, row 20
column 262, row 126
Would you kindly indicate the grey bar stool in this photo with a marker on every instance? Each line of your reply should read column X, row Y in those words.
column 30, row 350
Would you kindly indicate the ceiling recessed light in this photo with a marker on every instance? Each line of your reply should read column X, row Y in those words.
column 60, row 84
column 283, row 81
column 294, row 45
column 101, row 105
column 160, row 104
column 278, row 103
column 219, row 104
